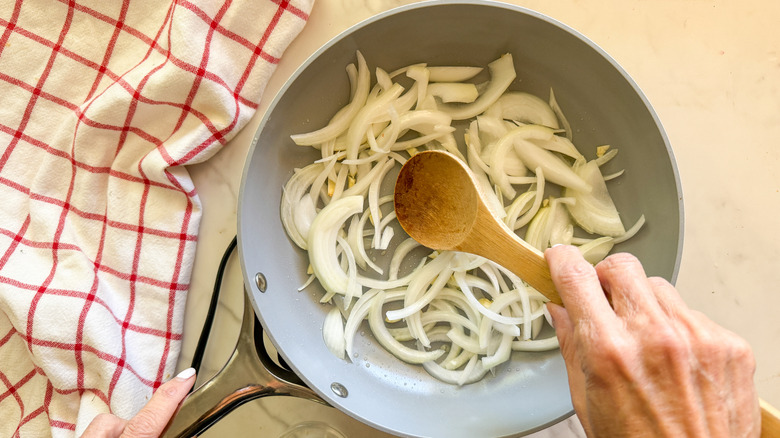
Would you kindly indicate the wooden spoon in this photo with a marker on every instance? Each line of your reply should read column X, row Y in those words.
column 770, row 420
column 439, row 204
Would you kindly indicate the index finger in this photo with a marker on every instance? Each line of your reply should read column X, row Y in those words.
column 578, row 284
column 153, row 418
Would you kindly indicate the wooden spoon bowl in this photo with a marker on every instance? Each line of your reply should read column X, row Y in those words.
column 439, row 204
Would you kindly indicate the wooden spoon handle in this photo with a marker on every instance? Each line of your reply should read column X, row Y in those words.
column 496, row 242
column 770, row 420
column 522, row 259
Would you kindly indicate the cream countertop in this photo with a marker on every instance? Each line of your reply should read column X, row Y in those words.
column 712, row 72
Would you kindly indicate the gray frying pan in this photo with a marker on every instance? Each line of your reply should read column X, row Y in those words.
column 526, row 394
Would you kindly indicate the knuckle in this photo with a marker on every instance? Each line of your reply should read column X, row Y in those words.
column 143, row 425
column 741, row 351
column 659, row 282
column 607, row 355
column 709, row 348
column 169, row 392
column 617, row 261
column 720, row 344
column 574, row 276
column 711, row 343
column 669, row 345
column 660, row 345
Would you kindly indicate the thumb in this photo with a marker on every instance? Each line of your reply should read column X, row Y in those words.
column 152, row 419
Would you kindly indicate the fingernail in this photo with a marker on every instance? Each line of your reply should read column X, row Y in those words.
column 557, row 244
column 186, row 374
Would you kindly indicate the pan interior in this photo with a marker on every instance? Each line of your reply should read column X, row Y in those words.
column 604, row 107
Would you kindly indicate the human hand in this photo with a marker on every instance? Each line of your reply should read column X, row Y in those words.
column 152, row 419
column 647, row 365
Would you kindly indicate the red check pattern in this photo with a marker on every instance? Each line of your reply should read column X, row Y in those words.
column 103, row 104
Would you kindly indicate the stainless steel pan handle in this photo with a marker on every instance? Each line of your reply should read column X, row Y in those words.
column 248, row 374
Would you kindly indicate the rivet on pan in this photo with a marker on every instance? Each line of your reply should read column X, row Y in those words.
column 260, row 281
column 339, row 389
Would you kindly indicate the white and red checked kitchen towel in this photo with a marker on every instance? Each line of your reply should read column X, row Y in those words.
column 102, row 103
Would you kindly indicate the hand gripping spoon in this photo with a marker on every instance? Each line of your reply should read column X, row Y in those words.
column 439, row 204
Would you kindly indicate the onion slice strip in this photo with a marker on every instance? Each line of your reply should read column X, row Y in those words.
column 342, row 119
column 502, row 73
column 322, row 242
column 384, row 337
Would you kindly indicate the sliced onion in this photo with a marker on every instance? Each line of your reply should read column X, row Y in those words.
column 333, row 333
column 372, row 112
column 383, row 79
column 559, row 144
column 631, row 232
column 419, row 282
column 561, row 227
column 383, row 336
column 468, row 343
column 355, row 235
column 526, row 108
column 478, row 311
column 356, row 316
column 561, row 117
column 452, row 73
column 374, row 204
column 538, row 196
column 415, row 299
column 450, row 92
column 606, row 157
column 464, row 286
column 612, row 176
column 502, row 73
column 353, row 288
column 303, row 215
column 520, row 205
column 547, row 344
column 501, row 354
column 594, row 210
column 362, row 184
column 470, row 374
column 400, row 252
column 597, row 249
column 342, row 119
column 420, row 74
column 555, row 170
column 295, row 189
column 318, row 183
column 322, row 242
